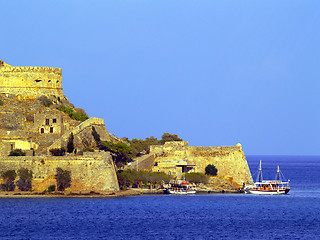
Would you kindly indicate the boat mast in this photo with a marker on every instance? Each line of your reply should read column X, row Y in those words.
column 278, row 173
column 260, row 173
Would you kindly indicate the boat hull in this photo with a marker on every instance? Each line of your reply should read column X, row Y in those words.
column 267, row 192
column 180, row 192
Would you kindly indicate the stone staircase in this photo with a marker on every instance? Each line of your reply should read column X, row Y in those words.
column 144, row 162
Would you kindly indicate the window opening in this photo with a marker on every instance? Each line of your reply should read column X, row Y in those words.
column 42, row 130
column 51, row 129
column 47, row 121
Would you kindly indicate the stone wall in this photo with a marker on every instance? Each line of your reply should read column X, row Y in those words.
column 31, row 82
column 229, row 160
column 83, row 134
column 89, row 172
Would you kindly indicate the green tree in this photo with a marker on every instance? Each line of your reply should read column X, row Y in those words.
column 131, row 177
column 58, row 151
column 121, row 152
column 70, row 145
column 63, row 178
column 45, row 101
column 96, row 137
column 125, row 179
column 51, row 188
column 74, row 115
column 17, row 152
column 167, row 137
column 8, row 178
column 140, row 145
column 25, row 179
column 211, row 170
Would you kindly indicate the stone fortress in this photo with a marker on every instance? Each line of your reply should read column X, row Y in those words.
column 177, row 158
column 30, row 82
column 27, row 124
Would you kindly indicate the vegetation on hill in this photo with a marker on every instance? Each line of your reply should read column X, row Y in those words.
column 45, row 101
column 211, row 170
column 196, row 178
column 58, row 151
column 17, row 152
column 121, row 152
column 140, row 145
column 79, row 116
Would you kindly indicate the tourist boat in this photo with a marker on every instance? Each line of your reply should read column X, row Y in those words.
column 269, row 187
column 180, row 188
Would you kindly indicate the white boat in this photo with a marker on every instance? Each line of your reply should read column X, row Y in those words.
column 268, row 187
column 180, row 188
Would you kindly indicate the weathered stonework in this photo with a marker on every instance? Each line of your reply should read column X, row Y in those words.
column 89, row 172
column 177, row 158
column 30, row 82
column 29, row 123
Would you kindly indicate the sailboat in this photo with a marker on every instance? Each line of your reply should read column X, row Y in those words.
column 269, row 187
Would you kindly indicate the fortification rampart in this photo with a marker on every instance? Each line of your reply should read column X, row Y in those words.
column 31, row 82
column 229, row 160
column 89, row 172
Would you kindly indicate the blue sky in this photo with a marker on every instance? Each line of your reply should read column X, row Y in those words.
column 213, row 72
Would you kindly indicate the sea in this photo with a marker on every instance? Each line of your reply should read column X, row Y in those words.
column 205, row 216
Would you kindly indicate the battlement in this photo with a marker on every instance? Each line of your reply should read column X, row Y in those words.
column 30, row 82
column 30, row 69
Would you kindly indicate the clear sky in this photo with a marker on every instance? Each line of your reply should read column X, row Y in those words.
column 213, row 72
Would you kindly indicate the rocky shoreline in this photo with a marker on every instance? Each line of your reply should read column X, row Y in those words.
column 105, row 194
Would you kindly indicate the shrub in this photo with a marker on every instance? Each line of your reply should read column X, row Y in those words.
column 196, row 177
column 30, row 118
column 45, row 101
column 25, row 181
column 8, row 179
column 88, row 149
column 63, row 178
column 51, row 188
column 70, row 145
column 211, row 170
column 17, row 152
column 58, row 151
column 122, row 153
column 167, row 137
column 1, row 102
column 74, row 115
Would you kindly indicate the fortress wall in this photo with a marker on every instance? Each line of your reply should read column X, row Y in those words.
column 229, row 160
column 31, row 82
column 90, row 172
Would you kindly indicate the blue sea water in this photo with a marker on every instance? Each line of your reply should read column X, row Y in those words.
column 212, row 216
